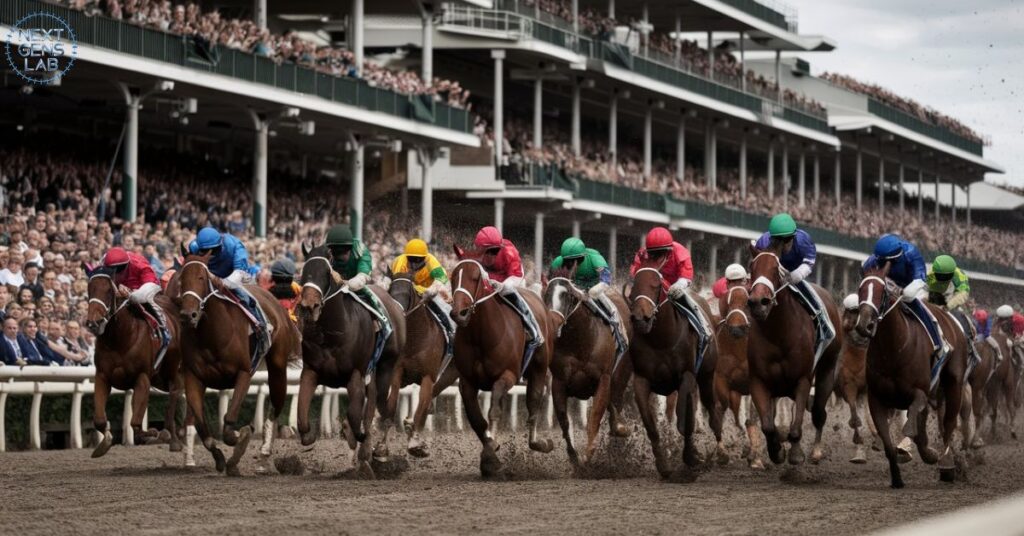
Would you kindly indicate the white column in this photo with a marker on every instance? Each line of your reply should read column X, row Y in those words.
column 881, row 184
column 713, row 154
column 743, row 62
column 860, row 178
column 648, row 139
column 575, row 16
column 937, row 215
column 712, row 264
column 771, row 170
column 681, row 150
column 576, row 98
column 711, row 56
column 130, row 181
column 356, row 170
column 538, row 242
column 499, row 214
column 499, row 104
column 817, row 177
column 358, row 26
column 611, row 9
column 260, row 7
column 677, row 41
column 952, row 201
column 778, row 74
column 968, row 211
column 837, row 176
column 259, row 181
column 538, row 113
column 920, row 193
column 613, row 248
column 802, row 180
column 645, row 17
column 576, row 228
column 785, row 175
column 743, row 166
column 613, row 132
column 902, row 188
column 427, row 159
column 428, row 45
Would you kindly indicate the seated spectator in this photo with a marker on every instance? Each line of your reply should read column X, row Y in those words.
column 26, row 296
column 34, row 347
column 57, row 344
column 10, row 347
column 12, row 275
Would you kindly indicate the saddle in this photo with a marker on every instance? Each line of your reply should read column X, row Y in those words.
column 151, row 320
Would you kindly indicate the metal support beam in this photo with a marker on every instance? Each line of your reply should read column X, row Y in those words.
column 356, row 175
column 576, row 228
column 648, row 139
column 677, row 41
column 358, row 42
column 903, row 193
column 427, row 157
column 260, row 15
column 778, row 74
column 837, row 176
column 743, row 62
column 427, row 73
column 577, row 144
column 817, row 177
column 860, row 178
column 611, row 9
column 743, row 166
column 771, row 170
column 613, row 248
column 711, row 55
column 499, row 214
column 499, row 106
column 937, row 215
column 681, row 150
column 130, row 179
column 802, row 180
column 538, row 113
column 259, row 178
column 881, row 185
column 538, row 242
column 952, row 202
column 576, row 16
column 712, row 264
column 920, row 194
column 785, row 175
column 613, row 133
column 711, row 156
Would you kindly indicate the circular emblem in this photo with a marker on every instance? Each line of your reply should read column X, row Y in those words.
column 41, row 47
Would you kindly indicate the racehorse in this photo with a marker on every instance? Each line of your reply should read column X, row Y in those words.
column 899, row 371
column 217, row 354
column 338, row 337
column 125, row 355
column 664, row 360
column 851, row 385
column 489, row 352
column 584, row 363
column 420, row 362
column 732, row 373
column 781, row 355
column 1003, row 384
column 978, row 382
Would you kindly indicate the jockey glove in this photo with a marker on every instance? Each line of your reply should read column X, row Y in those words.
column 358, row 282
column 678, row 288
column 913, row 290
column 799, row 274
column 597, row 290
column 958, row 299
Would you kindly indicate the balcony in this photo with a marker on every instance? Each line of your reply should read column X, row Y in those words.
column 935, row 132
column 178, row 50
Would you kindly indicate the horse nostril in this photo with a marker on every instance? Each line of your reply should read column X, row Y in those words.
column 765, row 302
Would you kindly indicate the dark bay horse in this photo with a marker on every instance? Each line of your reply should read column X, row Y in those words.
column 781, row 356
column 216, row 354
column 732, row 373
column 664, row 351
column 1002, row 386
column 420, row 362
column 490, row 343
column 338, row 337
column 898, row 372
column 126, row 350
column 583, row 364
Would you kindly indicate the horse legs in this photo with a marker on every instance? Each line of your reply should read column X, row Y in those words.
column 978, row 409
column 803, row 392
column 599, row 405
column 446, row 380
column 880, row 416
column 824, row 385
column 498, row 392
column 140, row 402
column 195, row 391
column 620, row 382
column 388, row 412
column 686, row 410
column 535, row 387
column 100, row 394
column 642, row 392
column 766, row 410
column 417, row 446
column 753, row 435
column 489, row 463
column 307, row 388
column 357, row 409
column 849, row 395
column 278, row 383
column 1011, row 405
column 671, row 401
column 709, row 399
column 239, row 439
column 928, row 454
column 967, row 429
column 190, row 436
column 953, row 396
column 171, row 415
column 559, row 399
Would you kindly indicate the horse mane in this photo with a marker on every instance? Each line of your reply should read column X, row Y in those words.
column 560, row 272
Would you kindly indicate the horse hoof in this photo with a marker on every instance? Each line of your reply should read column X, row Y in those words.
column 218, row 459
column 418, row 451
column 544, row 446
column 104, row 445
column 164, row 436
column 859, row 459
column 690, row 456
column 490, row 465
column 1013, row 435
column 620, row 430
column 796, row 454
column 381, row 454
column 947, row 475
column 817, row 455
column 286, row 432
column 775, row 452
column 365, row 472
column 240, row 445
column 190, row 461
column 230, row 436
column 232, row 470
column 757, row 464
column 977, row 443
column 308, row 438
column 928, row 455
column 897, row 483
column 721, row 457
column 175, row 445
column 407, row 426
column 903, row 456
column 683, row 475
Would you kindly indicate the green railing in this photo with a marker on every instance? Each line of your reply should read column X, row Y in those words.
column 619, row 195
column 906, row 120
column 179, row 50
column 759, row 10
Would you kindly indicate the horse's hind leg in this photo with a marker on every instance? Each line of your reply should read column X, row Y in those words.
column 1011, row 406
column 140, row 401
column 278, row 384
column 559, row 399
column 620, row 382
column 716, row 411
column 803, row 391
column 171, row 416
column 498, row 392
column 880, row 416
column 928, row 454
column 766, row 410
column 388, row 412
column 195, row 391
column 100, row 394
column 239, row 439
column 417, row 446
column 754, row 435
column 489, row 463
column 824, row 383
column 308, row 381
column 642, row 392
column 967, row 430
column 953, row 391
column 686, row 417
column 598, row 406
column 860, row 451
column 535, row 387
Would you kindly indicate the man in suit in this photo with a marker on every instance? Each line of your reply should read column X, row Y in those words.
column 10, row 350
column 34, row 348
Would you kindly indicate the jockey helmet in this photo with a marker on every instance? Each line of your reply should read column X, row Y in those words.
column 115, row 258
column 487, row 238
column 573, row 248
column 1004, row 311
column 340, row 235
column 851, row 302
column 735, row 272
column 658, row 238
column 888, row 247
column 720, row 287
column 981, row 316
column 943, row 267
column 782, row 226
column 416, row 248
column 282, row 268
column 208, row 238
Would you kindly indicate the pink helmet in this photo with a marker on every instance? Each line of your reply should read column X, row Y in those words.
column 488, row 237
column 658, row 238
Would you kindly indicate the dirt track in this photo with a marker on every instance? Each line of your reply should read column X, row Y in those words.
column 144, row 489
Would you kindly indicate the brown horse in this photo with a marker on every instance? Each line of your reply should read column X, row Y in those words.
column 420, row 362
column 338, row 337
column 490, row 345
column 851, row 384
column 217, row 354
column 732, row 375
column 1003, row 384
column 126, row 350
column 899, row 368
column 584, row 364
column 664, row 353
column 781, row 355
column 975, row 400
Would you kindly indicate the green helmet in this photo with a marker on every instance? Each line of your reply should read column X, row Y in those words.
column 340, row 235
column 782, row 226
column 573, row 248
column 943, row 264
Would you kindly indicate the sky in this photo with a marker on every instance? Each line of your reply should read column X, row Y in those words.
column 964, row 58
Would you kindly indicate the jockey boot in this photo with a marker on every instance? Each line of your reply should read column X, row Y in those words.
column 995, row 345
column 440, row 311
column 535, row 337
column 384, row 328
column 165, row 334
column 610, row 314
column 700, row 326
column 825, row 332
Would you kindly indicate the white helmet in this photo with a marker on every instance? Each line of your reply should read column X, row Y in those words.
column 851, row 302
column 735, row 272
column 1004, row 311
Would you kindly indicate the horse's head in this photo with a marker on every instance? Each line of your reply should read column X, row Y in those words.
column 403, row 289
column 646, row 295
column 1005, row 326
column 102, row 299
column 874, row 299
column 561, row 296
column 469, row 286
column 734, row 308
column 195, row 286
column 316, row 278
column 769, row 278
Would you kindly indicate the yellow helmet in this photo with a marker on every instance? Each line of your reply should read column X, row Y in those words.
column 416, row 248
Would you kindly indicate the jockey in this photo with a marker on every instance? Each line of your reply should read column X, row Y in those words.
column 948, row 286
column 136, row 280
column 733, row 273
column 283, row 285
column 907, row 270
column 798, row 254
column 591, row 272
column 505, row 270
column 429, row 280
column 351, row 259
column 229, row 261
column 676, row 276
column 984, row 327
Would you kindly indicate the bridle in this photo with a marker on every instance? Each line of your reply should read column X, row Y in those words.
column 412, row 288
column 473, row 301
column 108, row 311
column 324, row 296
column 661, row 290
column 870, row 301
column 209, row 280
column 764, row 281
column 741, row 312
column 573, row 290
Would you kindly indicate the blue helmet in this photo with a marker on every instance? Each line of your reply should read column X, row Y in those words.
column 889, row 246
column 208, row 238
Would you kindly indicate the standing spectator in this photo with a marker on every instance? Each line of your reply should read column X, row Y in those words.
column 31, row 277
column 12, row 276
column 149, row 252
column 10, row 347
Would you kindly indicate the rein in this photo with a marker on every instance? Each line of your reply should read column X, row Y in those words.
column 473, row 302
column 324, row 296
column 870, row 299
column 413, row 285
column 731, row 312
column 209, row 280
column 764, row 281
column 109, row 312
column 661, row 286
column 565, row 317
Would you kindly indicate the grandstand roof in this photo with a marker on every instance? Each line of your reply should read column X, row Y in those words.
column 984, row 196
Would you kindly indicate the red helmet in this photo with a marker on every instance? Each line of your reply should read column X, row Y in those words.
column 658, row 238
column 115, row 257
column 488, row 237
column 1018, row 324
column 720, row 288
column 981, row 315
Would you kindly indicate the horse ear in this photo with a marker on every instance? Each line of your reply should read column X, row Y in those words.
column 305, row 252
column 753, row 249
column 388, row 273
column 459, row 252
column 88, row 269
column 626, row 290
column 183, row 249
column 544, row 280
